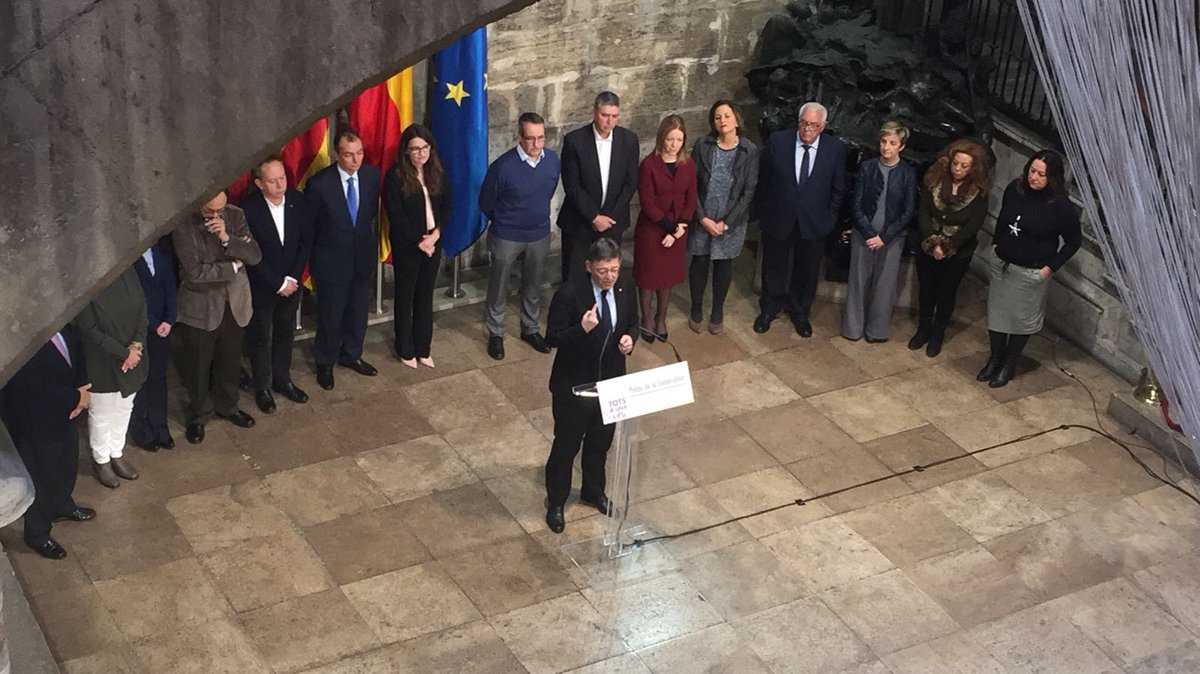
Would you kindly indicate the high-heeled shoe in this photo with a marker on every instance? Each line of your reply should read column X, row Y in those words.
column 648, row 334
column 662, row 332
column 409, row 362
column 427, row 361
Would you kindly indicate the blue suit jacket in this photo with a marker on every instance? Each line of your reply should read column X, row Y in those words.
column 160, row 288
column 343, row 251
column 811, row 209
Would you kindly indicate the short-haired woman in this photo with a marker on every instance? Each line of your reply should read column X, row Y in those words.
column 726, row 175
column 667, row 190
column 418, row 206
column 953, row 207
column 1036, row 233
column 883, row 207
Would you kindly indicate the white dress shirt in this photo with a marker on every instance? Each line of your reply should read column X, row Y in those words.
column 346, row 184
column 604, row 154
column 612, row 304
column 148, row 256
column 277, row 215
column 812, row 155
column 524, row 156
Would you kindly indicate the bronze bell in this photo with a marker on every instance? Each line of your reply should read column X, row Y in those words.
column 1147, row 389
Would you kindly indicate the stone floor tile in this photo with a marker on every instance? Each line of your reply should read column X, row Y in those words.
column 581, row 635
column 705, row 409
column 169, row 474
column 1120, row 619
column 1052, row 559
column 939, row 391
column 407, row 603
column 162, row 598
column 40, row 575
column 474, row 515
column 684, row 511
column 868, row 411
column 75, row 622
column 655, row 474
column 1063, row 405
column 362, row 422
column 654, row 610
column 622, row 664
column 216, row 647
column 889, row 612
column 1033, row 376
column 923, row 446
column 992, row 426
column 814, row 368
column 282, row 441
column 523, row 495
column 493, row 449
column 228, row 515
column 1182, row 658
column 795, row 431
column 803, row 637
column 1038, row 640
column 415, row 468
column 266, row 570
column 986, row 506
column 740, row 496
column 972, row 585
column 323, row 491
column 956, row 653
column 715, row 649
column 542, row 419
column 827, row 553
column 1110, row 461
column 741, row 387
column 1175, row 585
column 1129, row 535
column 366, row 544
column 703, row 351
column 881, row 360
column 743, row 579
column 508, row 575
column 1173, row 509
column 524, row 382
column 114, row 661
column 908, row 529
column 1059, row 484
column 92, row 542
column 302, row 632
column 713, row 452
column 466, row 399
column 843, row 472
column 473, row 647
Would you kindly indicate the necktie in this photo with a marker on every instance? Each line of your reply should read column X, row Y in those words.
column 803, row 166
column 61, row 344
column 352, row 200
column 606, row 318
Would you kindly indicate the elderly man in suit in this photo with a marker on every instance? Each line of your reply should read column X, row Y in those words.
column 803, row 182
column 344, row 199
column 39, row 405
column 156, row 271
column 214, row 248
column 599, row 176
column 593, row 324
column 279, row 221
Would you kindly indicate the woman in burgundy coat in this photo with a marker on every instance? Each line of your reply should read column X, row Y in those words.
column 667, row 190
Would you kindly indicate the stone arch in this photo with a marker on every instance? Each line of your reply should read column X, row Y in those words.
column 118, row 117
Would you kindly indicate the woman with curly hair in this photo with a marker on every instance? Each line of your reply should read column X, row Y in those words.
column 952, row 209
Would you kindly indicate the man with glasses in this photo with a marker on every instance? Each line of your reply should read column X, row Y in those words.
column 214, row 305
column 803, row 182
column 515, row 198
column 593, row 324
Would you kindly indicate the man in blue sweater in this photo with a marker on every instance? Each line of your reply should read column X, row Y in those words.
column 515, row 197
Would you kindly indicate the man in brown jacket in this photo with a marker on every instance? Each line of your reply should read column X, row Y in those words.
column 214, row 247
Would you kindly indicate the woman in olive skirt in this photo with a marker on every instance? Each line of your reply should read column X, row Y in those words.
column 1036, row 233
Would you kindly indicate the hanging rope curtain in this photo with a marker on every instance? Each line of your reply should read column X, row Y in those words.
column 1123, row 78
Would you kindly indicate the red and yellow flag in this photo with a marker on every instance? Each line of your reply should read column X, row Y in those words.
column 303, row 156
column 380, row 115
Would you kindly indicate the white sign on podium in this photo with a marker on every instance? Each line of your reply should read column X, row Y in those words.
column 645, row 392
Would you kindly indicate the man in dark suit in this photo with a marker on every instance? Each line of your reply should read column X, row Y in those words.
column 593, row 324
column 344, row 199
column 40, row 404
column 599, row 176
column 148, row 426
column 803, row 181
column 279, row 221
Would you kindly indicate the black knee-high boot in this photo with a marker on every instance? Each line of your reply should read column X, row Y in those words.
column 999, row 342
column 1012, row 354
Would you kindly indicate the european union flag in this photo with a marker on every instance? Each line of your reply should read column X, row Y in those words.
column 458, row 115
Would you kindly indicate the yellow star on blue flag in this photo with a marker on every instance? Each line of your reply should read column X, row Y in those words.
column 456, row 92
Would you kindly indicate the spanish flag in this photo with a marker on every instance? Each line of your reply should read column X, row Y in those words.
column 303, row 156
column 380, row 115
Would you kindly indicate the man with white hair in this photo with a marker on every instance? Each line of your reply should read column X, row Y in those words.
column 803, row 182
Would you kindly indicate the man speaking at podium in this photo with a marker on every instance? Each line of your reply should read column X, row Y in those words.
column 593, row 324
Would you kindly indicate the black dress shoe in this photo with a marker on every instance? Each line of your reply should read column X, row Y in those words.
column 79, row 514
column 325, row 377
column 292, row 392
column 875, row 340
column 934, row 347
column 239, row 419
column 246, row 382
column 555, row 519
column 166, row 442
column 919, row 338
column 495, row 347
column 264, row 400
column 804, row 328
column 195, row 432
column 360, row 366
column 536, row 340
column 152, row 446
column 763, row 323
column 50, row 549
column 600, row 503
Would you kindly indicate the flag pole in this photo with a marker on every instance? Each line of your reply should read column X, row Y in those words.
column 299, row 307
column 455, row 290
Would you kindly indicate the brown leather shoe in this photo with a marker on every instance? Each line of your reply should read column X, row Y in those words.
column 123, row 468
column 105, row 475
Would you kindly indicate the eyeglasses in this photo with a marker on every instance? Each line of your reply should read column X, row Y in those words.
column 811, row 125
column 423, row 149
